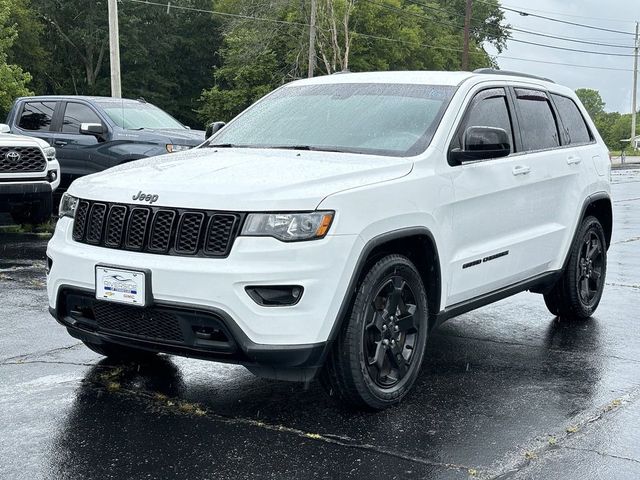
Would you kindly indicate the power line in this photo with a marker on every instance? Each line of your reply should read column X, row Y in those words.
column 377, row 37
column 414, row 14
column 555, row 47
column 223, row 14
column 574, row 16
column 562, row 63
column 566, row 22
column 510, row 28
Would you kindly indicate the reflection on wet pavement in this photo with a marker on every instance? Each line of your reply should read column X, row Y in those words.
column 506, row 391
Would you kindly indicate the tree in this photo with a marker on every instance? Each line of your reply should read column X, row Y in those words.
column 258, row 56
column 13, row 80
column 592, row 101
column 166, row 55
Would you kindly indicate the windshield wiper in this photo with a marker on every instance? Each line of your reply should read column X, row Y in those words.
column 304, row 147
column 224, row 145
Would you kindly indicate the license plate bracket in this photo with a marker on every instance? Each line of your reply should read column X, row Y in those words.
column 129, row 286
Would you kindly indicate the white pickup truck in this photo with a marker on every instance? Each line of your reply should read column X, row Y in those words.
column 29, row 174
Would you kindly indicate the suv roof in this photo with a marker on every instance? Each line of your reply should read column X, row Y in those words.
column 425, row 77
column 88, row 98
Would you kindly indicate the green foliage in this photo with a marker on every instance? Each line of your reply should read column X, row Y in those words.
column 13, row 80
column 591, row 100
column 363, row 36
column 166, row 57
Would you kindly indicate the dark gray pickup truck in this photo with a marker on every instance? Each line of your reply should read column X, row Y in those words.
column 91, row 134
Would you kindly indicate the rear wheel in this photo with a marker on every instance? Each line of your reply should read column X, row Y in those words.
column 120, row 353
column 378, row 354
column 578, row 292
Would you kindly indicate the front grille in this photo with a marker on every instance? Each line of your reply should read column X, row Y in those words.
column 22, row 160
column 150, row 323
column 157, row 230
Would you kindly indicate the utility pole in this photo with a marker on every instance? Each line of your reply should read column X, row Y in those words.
column 114, row 49
column 467, row 25
column 634, row 89
column 312, row 39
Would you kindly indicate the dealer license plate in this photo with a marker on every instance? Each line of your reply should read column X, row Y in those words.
column 121, row 286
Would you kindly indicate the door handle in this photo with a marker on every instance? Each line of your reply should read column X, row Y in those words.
column 60, row 143
column 573, row 160
column 521, row 170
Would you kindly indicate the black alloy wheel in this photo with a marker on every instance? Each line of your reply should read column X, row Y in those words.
column 391, row 333
column 590, row 269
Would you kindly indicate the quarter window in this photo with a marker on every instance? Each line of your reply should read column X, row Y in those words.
column 575, row 127
column 536, row 119
column 75, row 114
column 36, row 116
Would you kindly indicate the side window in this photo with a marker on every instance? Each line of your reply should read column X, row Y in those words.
column 537, row 122
column 36, row 116
column 489, row 108
column 575, row 127
column 75, row 114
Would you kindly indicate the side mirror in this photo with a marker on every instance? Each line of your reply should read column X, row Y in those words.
column 213, row 128
column 4, row 128
column 481, row 143
column 95, row 129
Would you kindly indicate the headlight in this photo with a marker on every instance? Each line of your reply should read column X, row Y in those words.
column 288, row 227
column 68, row 206
column 50, row 153
column 171, row 148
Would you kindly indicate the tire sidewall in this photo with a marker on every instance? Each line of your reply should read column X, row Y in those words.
column 590, row 224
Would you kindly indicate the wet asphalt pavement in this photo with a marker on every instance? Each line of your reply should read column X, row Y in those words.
column 506, row 391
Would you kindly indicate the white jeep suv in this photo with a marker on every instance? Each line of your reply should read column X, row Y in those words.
column 328, row 228
column 29, row 174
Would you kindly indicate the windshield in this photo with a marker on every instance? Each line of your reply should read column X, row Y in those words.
column 137, row 115
column 383, row 119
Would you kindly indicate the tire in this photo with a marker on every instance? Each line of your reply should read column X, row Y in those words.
column 120, row 353
column 577, row 293
column 377, row 356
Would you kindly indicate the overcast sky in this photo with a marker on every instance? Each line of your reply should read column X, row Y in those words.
column 614, row 86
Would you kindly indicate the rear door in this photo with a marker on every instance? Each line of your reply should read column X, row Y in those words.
column 35, row 119
column 75, row 150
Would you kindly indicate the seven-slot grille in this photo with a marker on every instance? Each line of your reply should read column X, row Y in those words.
column 165, row 231
column 22, row 160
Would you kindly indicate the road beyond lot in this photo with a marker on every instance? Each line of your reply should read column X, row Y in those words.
column 506, row 392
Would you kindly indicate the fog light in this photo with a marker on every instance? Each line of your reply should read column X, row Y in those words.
column 49, row 265
column 52, row 176
column 275, row 295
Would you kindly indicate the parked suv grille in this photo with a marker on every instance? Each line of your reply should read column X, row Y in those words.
column 21, row 160
column 160, row 230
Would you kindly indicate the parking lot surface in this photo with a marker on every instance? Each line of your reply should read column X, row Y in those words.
column 506, row 392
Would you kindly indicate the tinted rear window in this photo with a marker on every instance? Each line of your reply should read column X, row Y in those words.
column 36, row 116
column 575, row 127
column 537, row 122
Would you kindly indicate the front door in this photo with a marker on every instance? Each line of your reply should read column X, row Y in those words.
column 73, row 149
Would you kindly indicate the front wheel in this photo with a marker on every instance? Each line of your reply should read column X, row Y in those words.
column 578, row 292
column 378, row 354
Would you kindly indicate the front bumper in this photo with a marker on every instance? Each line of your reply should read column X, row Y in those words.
column 14, row 195
column 217, row 286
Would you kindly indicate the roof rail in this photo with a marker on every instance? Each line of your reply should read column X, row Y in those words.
column 493, row 71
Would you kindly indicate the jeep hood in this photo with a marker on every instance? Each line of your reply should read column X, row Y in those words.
column 240, row 179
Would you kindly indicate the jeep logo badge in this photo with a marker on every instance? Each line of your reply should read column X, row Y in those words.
column 145, row 197
column 12, row 157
